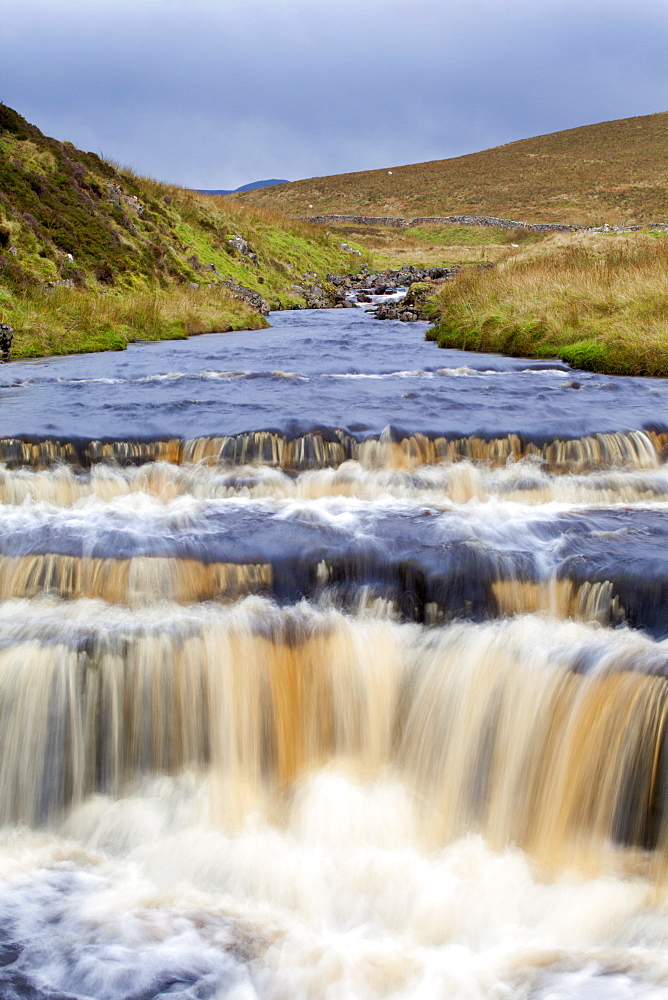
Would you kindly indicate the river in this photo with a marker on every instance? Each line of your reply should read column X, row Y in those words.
column 332, row 665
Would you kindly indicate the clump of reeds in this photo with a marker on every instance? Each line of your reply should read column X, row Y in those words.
column 72, row 321
column 600, row 304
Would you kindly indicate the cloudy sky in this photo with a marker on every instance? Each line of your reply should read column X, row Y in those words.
column 215, row 93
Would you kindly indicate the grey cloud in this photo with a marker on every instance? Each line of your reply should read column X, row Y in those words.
column 215, row 94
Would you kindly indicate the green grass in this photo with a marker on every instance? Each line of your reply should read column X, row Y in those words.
column 470, row 236
column 599, row 303
column 67, row 215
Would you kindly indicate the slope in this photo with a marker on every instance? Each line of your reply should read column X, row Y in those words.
column 614, row 172
column 92, row 256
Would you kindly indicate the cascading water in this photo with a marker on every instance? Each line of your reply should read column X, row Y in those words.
column 332, row 665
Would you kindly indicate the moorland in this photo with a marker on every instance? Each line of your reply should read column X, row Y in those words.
column 597, row 299
column 93, row 256
column 614, row 172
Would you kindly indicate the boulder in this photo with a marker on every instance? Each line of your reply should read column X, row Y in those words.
column 251, row 298
column 6, row 337
column 240, row 244
column 324, row 296
column 133, row 203
column 50, row 286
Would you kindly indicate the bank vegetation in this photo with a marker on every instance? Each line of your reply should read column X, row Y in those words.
column 599, row 302
column 93, row 256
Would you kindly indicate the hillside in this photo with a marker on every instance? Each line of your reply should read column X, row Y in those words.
column 92, row 256
column 614, row 172
column 253, row 186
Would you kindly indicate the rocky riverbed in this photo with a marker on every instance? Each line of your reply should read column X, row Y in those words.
column 417, row 282
column 408, row 288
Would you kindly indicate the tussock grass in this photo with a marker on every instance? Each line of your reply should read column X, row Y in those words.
column 471, row 236
column 599, row 303
column 615, row 172
column 70, row 321
column 389, row 248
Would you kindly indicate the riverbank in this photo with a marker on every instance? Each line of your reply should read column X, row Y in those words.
column 67, row 322
column 93, row 257
column 597, row 301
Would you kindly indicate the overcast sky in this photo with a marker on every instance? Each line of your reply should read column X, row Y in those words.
column 216, row 93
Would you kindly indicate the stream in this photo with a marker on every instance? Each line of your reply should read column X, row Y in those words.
column 333, row 666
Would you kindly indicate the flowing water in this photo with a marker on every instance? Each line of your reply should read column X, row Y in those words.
column 332, row 665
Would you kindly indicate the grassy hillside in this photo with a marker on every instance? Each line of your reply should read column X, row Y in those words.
column 92, row 256
column 433, row 245
column 614, row 172
column 598, row 301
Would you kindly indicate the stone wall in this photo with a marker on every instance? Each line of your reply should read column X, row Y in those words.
column 457, row 220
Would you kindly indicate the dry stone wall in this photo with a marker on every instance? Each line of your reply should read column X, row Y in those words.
column 458, row 220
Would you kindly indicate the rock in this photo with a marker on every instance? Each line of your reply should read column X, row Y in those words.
column 407, row 312
column 13, row 251
column 417, row 293
column 50, row 286
column 129, row 200
column 240, row 244
column 324, row 296
column 6, row 337
column 386, row 310
column 133, row 203
column 390, row 279
column 251, row 298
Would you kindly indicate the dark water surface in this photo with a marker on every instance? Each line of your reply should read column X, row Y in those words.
column 325, row 369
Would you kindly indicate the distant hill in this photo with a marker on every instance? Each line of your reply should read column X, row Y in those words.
column 253, row 186
column 609, row 172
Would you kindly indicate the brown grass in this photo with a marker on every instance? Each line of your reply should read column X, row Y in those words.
column 600, row 303
column 69, row 321
column 433, row 245
column 615, row 172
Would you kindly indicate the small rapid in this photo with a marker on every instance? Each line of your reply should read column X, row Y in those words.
column 332, row 665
